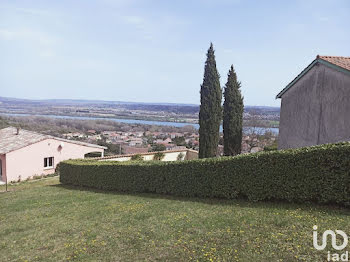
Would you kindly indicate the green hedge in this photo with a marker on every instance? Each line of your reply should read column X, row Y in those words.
column 320, row 174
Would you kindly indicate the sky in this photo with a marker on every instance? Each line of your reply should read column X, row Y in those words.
column 154, row 51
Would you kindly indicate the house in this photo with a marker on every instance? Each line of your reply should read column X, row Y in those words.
column 179, row 148
column 164, row 142
column 109, row 133
column 91, row 131
column 94, row 137
column 315, row 106
column 24, row 154
column 134, row 150
column 136, row 142
column 138, row 134
column 74, row 135
column 170, row 146
column 174, row 135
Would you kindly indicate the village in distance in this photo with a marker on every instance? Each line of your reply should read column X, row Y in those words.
column 199, row 130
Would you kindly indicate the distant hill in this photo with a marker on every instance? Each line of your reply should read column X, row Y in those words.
column 169, row 107
column 104, row 102
column 83, row 101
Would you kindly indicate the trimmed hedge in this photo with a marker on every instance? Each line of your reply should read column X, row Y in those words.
column 320, row 174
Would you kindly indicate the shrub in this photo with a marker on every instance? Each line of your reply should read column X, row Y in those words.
column 180, row 157
column 270, row 148
column 136, row 157
column 157, row 147
column 57, row 169
column 320, row 174
column 158, row 156
column 92, row 155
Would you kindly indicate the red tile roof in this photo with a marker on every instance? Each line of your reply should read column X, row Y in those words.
column 340, row 61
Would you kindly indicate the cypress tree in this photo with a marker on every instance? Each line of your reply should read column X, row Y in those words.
column 210, row 113
column 233, row 115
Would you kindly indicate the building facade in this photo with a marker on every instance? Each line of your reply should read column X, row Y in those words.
column 24, row 154
column 315, row 106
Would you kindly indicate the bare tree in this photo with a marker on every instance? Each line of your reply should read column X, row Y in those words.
column 254, row 130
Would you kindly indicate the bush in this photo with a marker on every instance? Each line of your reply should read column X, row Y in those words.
column 320, row 174
column 157, row 147
column 270, row 148
column 93, row 154
column 136, row 157
column 180, row 157
column 158, row 156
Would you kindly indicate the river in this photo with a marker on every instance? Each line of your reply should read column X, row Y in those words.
column 136, row 121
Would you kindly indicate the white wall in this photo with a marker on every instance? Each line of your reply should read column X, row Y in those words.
column 168, row 156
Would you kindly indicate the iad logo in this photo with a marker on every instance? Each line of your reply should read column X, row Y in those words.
column 335, row 256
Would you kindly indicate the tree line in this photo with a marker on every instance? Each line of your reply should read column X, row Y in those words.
column 212, row 112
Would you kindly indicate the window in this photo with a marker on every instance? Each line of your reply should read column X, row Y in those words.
column 48, row 162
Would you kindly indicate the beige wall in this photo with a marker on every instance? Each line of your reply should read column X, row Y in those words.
column 29, row 161
column 168, row 156
column 191, row 155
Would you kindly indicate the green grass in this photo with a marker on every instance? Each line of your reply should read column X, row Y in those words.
column 45, row 221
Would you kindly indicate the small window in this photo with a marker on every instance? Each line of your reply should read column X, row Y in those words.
column 48, row 162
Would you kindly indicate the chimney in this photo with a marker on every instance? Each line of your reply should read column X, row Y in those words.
column 17, row 133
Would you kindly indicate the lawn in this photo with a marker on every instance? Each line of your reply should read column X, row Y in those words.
column 46, row 221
